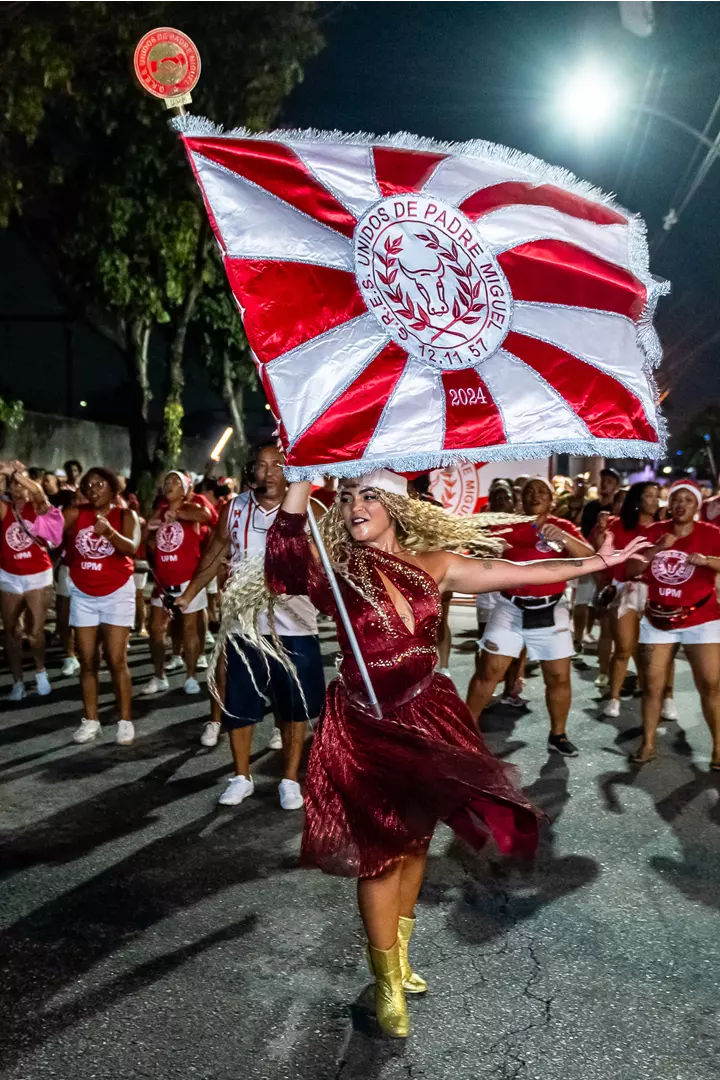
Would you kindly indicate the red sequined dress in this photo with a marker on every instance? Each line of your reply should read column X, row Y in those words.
column 376, row 788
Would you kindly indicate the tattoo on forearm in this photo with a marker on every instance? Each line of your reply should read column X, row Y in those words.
column 487, row 564
column 577, row 562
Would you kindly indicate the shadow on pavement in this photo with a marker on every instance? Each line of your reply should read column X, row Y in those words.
column 53, row 947
column 697, row 872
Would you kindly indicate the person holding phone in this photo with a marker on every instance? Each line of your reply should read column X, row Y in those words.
column 533, row 617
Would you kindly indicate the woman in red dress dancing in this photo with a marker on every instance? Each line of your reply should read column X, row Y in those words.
column 375, row 788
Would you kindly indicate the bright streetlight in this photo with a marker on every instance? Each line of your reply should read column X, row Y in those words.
column 592, row 96
column 590, row 99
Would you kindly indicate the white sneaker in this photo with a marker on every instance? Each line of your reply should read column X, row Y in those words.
column 444, row 671
column 155, row 686
column 175, row 663
column 612, row 708
column 669, row 709
column 87, row 731
column 202, row 663
column 191, row 686
column 275, row 739
column 239, row 787
column 209, row 640
column 71, row 666
column 125, row 733
column 17, row 693
column 602, row 681
column 42, row 683
column 210, row 734
column 290, row 795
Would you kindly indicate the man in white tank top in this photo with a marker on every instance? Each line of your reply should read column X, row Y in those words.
column 242, row 533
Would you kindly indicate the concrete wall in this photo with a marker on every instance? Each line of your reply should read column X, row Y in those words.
column 48, row 441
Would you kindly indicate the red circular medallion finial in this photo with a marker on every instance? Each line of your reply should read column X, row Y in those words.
column 167, row 63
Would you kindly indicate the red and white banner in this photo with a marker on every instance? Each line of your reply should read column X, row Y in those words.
column 464, row 488
column 411, row 304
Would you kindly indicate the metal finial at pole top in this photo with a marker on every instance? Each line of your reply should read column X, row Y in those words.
column 167, row 66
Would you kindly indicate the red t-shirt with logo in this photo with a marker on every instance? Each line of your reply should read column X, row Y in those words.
column 176, row 556
column 96, row 568
column 527, row 545
column 673, row 582
column 20, row 553
column 177, row 552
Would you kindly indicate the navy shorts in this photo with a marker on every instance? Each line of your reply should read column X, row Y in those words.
column 245, row 706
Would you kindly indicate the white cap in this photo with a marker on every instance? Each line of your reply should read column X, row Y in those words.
column 685, row 485
column 543, row 480
column 182, row 477
column 383, row 479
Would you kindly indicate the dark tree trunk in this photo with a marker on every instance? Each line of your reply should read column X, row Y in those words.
column 169, row 447
column 136, row 358
column 233, row 395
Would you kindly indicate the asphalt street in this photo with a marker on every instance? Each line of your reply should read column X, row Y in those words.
column 148, row 932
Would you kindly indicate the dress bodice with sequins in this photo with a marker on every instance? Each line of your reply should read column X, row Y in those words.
column 397, row 657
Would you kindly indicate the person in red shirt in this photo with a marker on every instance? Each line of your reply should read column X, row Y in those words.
column 533, row 616
column 101, row 539
column 638, row 513
column 682, row 609
column 28, row 524
column 175, row 542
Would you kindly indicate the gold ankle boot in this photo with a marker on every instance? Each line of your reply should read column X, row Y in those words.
column 390, row 1007
column 412, row 982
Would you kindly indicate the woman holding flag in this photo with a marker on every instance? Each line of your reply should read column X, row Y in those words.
column 376, row 787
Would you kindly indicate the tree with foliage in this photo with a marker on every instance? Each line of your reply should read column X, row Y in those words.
column 98, row 185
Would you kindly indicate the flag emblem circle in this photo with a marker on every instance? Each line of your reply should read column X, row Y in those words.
column 431, row 281
column 167, row 62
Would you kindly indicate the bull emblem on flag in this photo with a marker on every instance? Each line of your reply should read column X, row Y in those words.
column 411, row 304
column 429, row 284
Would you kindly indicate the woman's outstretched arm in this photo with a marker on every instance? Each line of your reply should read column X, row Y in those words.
column 469, row 575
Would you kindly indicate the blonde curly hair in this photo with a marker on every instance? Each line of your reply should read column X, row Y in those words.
column 420, row 526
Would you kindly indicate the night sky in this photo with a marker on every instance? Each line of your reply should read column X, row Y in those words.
column 458, row 71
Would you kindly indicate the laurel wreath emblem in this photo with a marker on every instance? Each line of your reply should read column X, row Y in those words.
column 467, row 306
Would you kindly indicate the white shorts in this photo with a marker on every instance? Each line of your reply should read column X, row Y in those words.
column 140, row 578
column 706, row 633
column 485, row 602
column 62, row 585
column 19, row 584
column 585, row 590
column 631, row 596
column 504, row 634
column 115, row 609
column 212, row 587
column 198, row 604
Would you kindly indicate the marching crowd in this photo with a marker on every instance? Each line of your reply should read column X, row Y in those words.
column 74, row 541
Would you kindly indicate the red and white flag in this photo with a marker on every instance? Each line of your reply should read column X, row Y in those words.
column 410, row 304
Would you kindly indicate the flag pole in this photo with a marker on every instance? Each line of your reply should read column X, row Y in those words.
column 344, row 616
